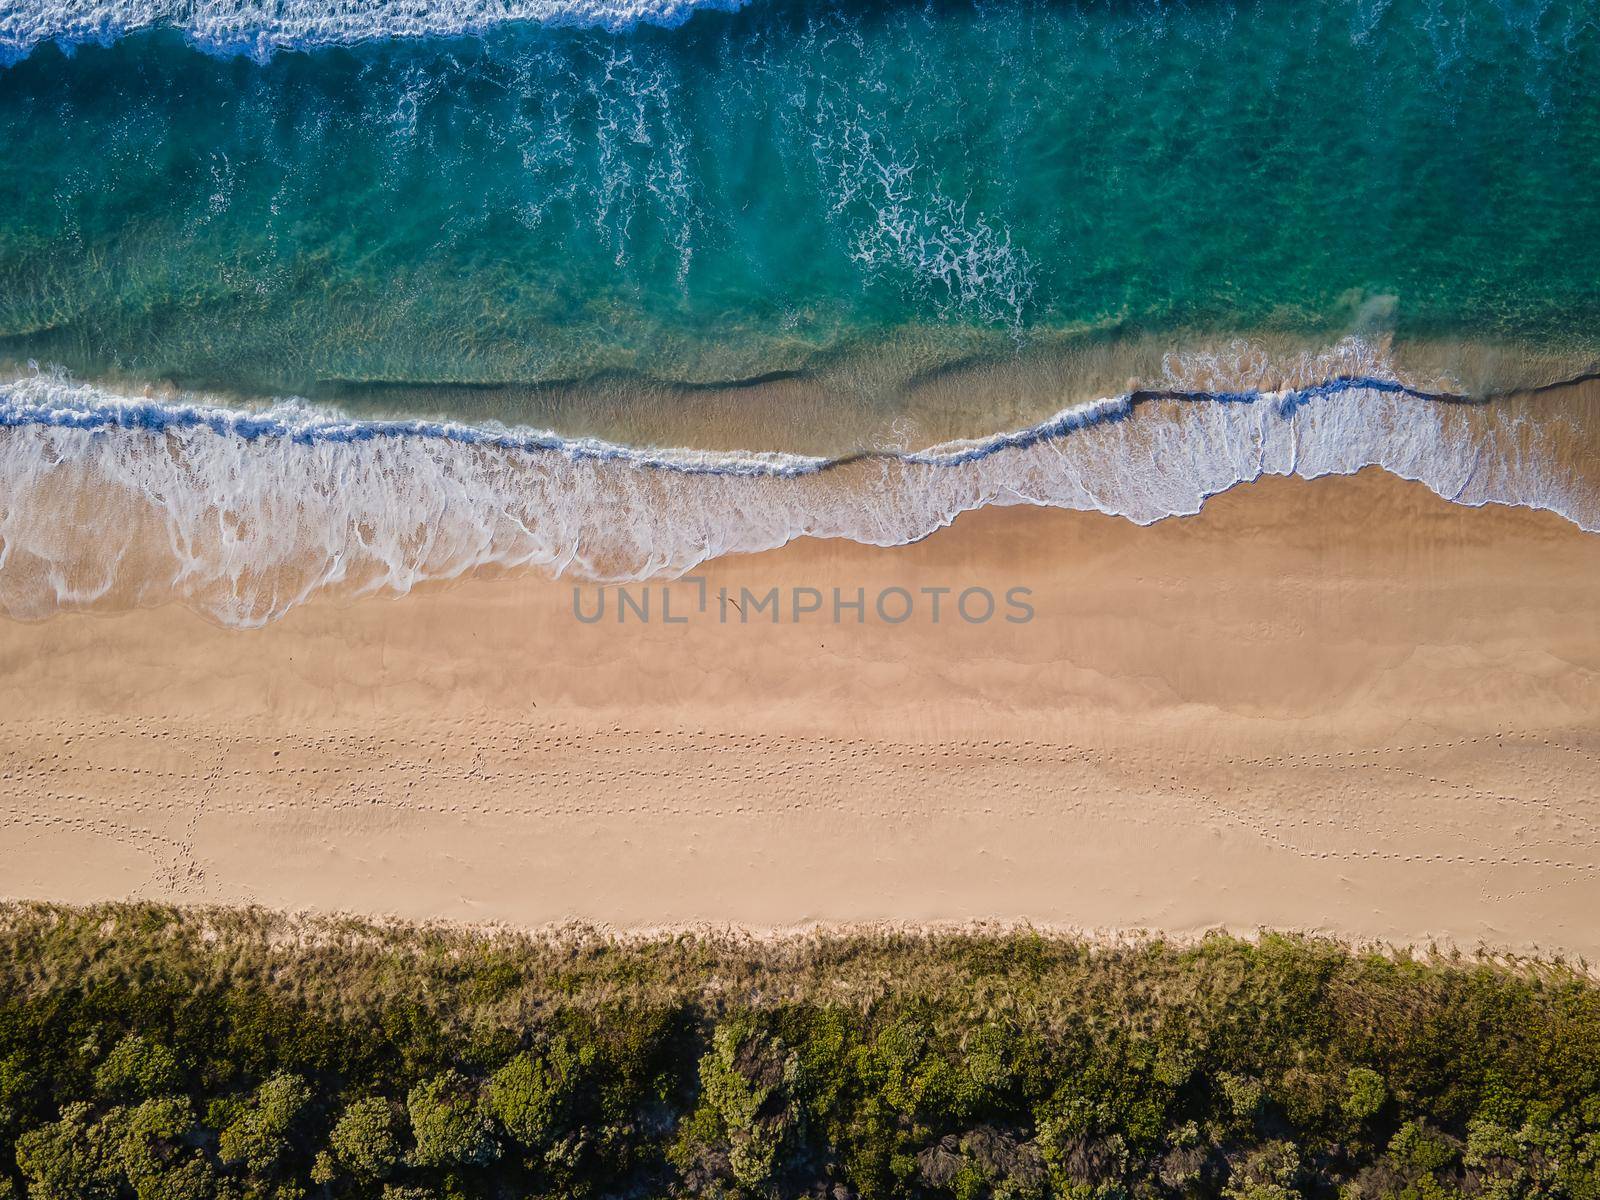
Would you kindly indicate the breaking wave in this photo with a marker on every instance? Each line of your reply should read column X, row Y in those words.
column 259, row 28
column 112, row 502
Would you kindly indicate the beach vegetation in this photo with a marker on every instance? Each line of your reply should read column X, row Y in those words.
column 258, row 1133
column 156, row 1054
column 137, row 1069
column 449, row 1123
column 363, row 1143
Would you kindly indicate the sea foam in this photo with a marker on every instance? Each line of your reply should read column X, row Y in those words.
column 260, row 28
column 111, row 502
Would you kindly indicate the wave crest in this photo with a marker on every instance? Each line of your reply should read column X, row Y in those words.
column 110, row 502
column 259, row 28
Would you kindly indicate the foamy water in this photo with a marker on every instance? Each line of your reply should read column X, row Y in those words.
column 110, row 502
column 259, row 29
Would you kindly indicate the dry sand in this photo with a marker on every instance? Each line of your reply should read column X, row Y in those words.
column 1344, row 706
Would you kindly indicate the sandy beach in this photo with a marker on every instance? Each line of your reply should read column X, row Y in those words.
column 1343, row 705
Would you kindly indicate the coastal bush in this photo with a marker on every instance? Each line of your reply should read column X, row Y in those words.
column 1364, row 1093
column 159, row 1155
column 257, row 1136
column 153, row 1054
column 74, row 1158
column 448, row 1124
column 748, row 1081
column 137, row 1069
column 530, row 1095
column 364, row 1142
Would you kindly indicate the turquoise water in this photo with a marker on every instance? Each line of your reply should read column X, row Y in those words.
column 793, row 185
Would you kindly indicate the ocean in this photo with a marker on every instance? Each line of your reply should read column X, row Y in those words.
column 329, row 298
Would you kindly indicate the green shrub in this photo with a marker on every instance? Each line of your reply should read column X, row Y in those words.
column 258, row 1135
column 75, row 1158
column 364, row 1142
column 158, row 1155
column 448, row 1124
column 530, row 1095
column 1364, row 1093
column 1268, row 1172
column 16, row 1091
column 747, row 1081
column 137, row 1069
column 1242, row 1095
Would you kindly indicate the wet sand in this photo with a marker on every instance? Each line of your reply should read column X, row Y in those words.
column 1343, row 705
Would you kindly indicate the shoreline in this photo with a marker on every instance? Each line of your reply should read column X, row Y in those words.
column 113, row 503
column 1289, row 711
column 824, row 417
